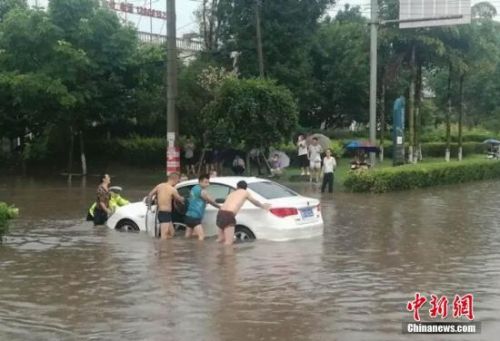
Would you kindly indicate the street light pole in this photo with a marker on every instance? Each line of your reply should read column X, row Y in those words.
column 373, row 76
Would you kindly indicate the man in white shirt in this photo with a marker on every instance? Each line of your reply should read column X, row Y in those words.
column 329, row 165
column 315, row 151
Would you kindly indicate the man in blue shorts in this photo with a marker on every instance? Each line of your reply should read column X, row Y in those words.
column 198, row 199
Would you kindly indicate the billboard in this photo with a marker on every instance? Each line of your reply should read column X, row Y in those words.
column 421, row 13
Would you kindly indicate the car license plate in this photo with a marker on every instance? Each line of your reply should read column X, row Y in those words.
column 306, row 212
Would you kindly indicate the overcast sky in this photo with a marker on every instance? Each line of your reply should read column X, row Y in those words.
column 186, row 20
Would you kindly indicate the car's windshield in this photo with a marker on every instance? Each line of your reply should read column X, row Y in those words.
column 271, row 190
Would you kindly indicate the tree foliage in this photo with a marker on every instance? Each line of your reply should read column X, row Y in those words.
column 252, row 112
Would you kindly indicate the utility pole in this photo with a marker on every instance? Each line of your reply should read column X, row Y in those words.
column 172, row 128
column 373, row 76
column 259, row 38
column 411, row 108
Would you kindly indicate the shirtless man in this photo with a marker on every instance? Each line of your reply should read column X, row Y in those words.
column 226, row 217
column 165, row 193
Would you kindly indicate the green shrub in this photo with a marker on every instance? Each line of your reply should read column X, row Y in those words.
column 6, row 213
column 437, row 149
column 421, row 175
column 476, row 134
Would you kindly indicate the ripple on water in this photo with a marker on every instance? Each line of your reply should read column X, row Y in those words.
column 66, row 280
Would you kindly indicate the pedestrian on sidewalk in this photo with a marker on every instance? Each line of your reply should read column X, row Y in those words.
column 189, row 157
column 303, row 155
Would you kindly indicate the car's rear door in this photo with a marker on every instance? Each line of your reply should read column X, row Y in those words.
column 219, row 193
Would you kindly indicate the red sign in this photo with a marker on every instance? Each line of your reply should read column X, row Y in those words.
column 173, row 160
column 139, row 10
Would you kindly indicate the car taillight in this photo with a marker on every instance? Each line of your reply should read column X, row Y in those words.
column 283, row 212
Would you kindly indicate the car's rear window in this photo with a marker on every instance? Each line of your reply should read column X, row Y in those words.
column 271, row 190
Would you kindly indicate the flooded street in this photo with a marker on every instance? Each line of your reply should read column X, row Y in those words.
column 63, row 279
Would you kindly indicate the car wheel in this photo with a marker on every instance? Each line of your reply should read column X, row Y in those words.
column 127, row 225
column 243, row 234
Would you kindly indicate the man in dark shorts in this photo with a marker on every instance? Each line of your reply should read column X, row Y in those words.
column 198, row 199
column 165, row 194
column 226, row 217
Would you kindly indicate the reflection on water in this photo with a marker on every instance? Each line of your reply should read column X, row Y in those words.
column 63, row 279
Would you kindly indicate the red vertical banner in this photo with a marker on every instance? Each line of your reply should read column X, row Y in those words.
column 173, row 160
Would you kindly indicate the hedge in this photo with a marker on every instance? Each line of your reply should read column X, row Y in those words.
column 437, row 149
column 421, row 175
column 6, row 213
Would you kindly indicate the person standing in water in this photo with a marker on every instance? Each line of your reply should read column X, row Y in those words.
column 102, row 210
column 198, row 199
column 226, row 217
column 165, row 193
column 329, row 165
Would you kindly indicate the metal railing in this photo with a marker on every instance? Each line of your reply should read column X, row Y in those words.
column 182, row 44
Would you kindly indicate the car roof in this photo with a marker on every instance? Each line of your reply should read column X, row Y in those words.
column 225, row 180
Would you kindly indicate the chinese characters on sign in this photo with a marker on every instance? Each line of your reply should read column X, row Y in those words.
column 130, row 8
column 462, row 306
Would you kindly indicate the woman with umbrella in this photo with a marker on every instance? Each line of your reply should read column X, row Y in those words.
column 278, row 162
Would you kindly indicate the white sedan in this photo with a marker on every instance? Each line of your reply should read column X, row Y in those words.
column 291, row 216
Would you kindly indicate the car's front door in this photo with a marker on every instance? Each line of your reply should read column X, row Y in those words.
column 152, row 224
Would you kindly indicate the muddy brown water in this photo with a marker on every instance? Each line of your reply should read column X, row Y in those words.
column 63, row 279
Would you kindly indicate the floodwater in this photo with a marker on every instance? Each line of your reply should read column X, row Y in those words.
column 63, row 279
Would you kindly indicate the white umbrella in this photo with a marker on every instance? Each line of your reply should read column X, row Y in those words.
column 323, row 140
column 283, row 158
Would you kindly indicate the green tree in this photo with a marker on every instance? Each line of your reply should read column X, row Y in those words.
column 98, row 79
column 287, row 28
column 29, row 92
column 252, row 112
column 8, row 5
column 339, row 57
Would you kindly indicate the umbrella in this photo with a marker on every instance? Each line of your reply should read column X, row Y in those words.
column 362, row 145
column 491, row 141
column 323, row 140
column 283, row 158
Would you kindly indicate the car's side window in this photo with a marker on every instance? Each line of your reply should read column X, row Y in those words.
column 219, row 192
column 185, row 191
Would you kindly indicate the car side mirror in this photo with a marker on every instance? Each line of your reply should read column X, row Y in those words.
column 220, row 200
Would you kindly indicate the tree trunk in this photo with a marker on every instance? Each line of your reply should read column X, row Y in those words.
column 418, row 118
column 70, row 153
column 382, row 118
column 448, row 117
column 248, row 171
column 411, row 107
column 82, row 154
column 23, row 159
column 460, row 115
column 258, row 33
